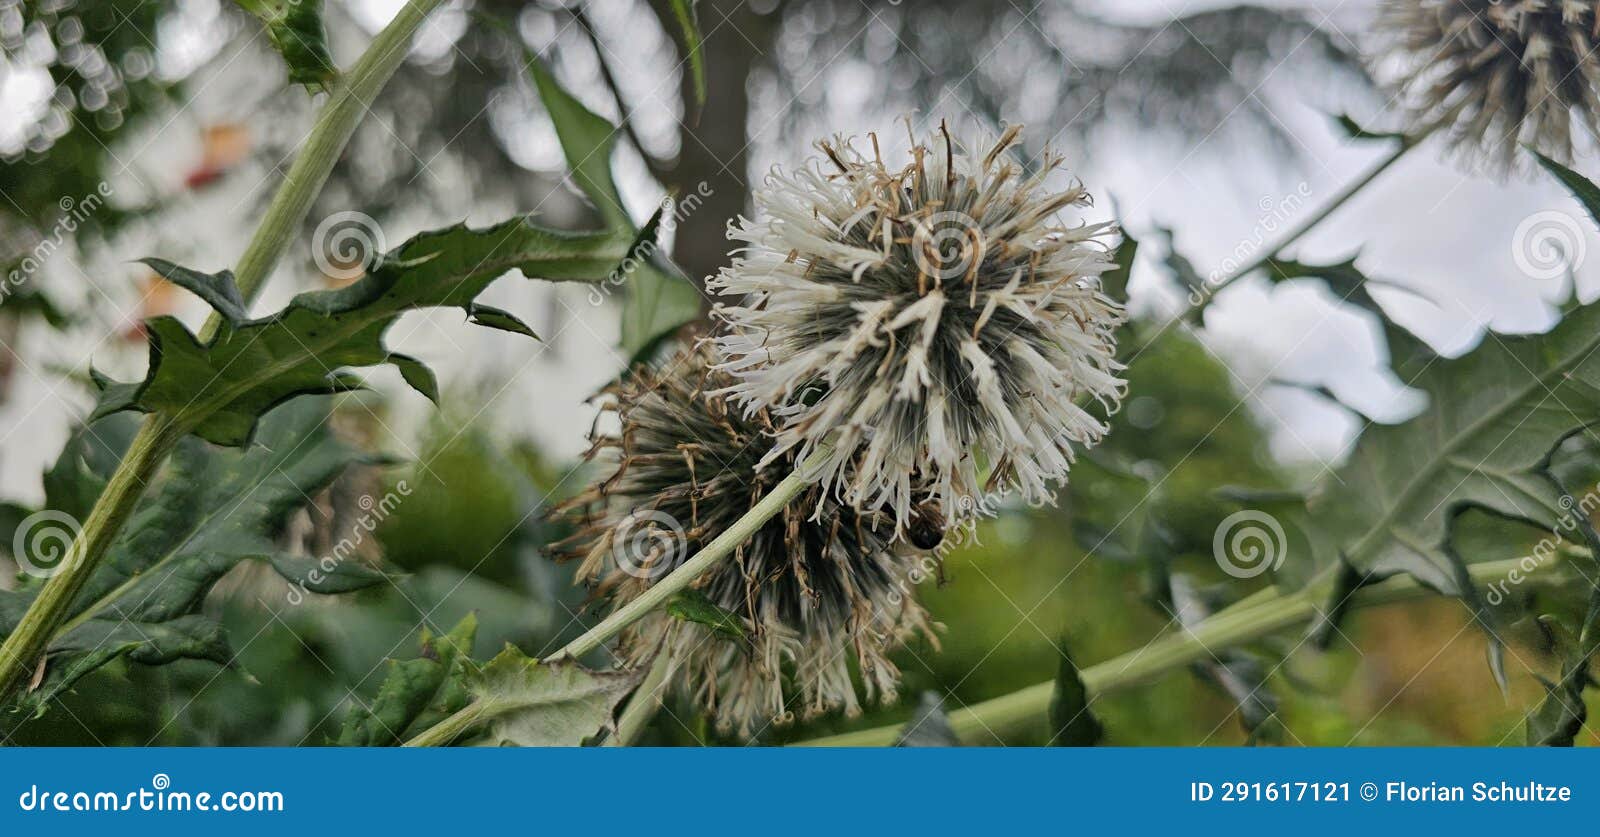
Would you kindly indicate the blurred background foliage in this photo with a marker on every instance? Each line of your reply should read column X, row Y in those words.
column 1097, row 572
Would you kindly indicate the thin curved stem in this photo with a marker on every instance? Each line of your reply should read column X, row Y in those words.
column 719, row 550
column 24, row 648
column 1226, row 629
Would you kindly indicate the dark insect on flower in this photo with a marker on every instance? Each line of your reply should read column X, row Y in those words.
column 926, row 530
column 1497, row 74
column 814, row 595
column 937, row 325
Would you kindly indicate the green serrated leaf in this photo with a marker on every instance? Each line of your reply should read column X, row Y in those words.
column 693, row 606
column 418, row 693
column 296, row 31
column 212, row 509
column 1494, row 418
column 522, row 702
column 220, row 388
column 658, row 302
column 1072, row 723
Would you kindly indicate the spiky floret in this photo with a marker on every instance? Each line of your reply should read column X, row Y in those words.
column 1497, row 74
column 813, row 596
column 932, row 323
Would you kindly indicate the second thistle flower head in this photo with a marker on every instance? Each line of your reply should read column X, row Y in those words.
column 1498, row 73
column 929, row 323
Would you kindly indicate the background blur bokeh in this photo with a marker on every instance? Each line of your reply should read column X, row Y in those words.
column 1195, row 123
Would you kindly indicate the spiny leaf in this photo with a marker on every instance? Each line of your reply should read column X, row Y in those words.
column 220, row 388
column 1072, row 723
column 658, row 302
column 1581, row 187
column 416, row 694
column 211, row 509
column 526, row 703
column 1494, row 417
column 1558, row 719
column 296, row 31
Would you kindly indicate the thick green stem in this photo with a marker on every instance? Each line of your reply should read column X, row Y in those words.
column 24, row 648
column 1229, row 628
column 451, row 728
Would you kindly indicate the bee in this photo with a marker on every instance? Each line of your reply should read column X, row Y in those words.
column 925, row 529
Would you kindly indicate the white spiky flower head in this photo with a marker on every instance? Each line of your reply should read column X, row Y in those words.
column 938, row 325
column 822, row 603
column 1496, row 74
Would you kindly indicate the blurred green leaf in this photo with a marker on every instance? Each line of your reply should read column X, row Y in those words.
column 296, row 31
column 213, row 509
column 1073, row 724
column 659, row 299
column 1581, row 187
column 417, row 693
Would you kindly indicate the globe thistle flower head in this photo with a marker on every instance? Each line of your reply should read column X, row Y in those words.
column 815, row 598
column 935, row 328
column 1496, row 74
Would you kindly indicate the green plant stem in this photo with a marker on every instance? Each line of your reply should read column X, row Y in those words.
column 451, row 728
column 720, row 549
column 23, row 649
column 351, row 97
column 643, row 706
column 1196, row 307
column 1226, row 629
